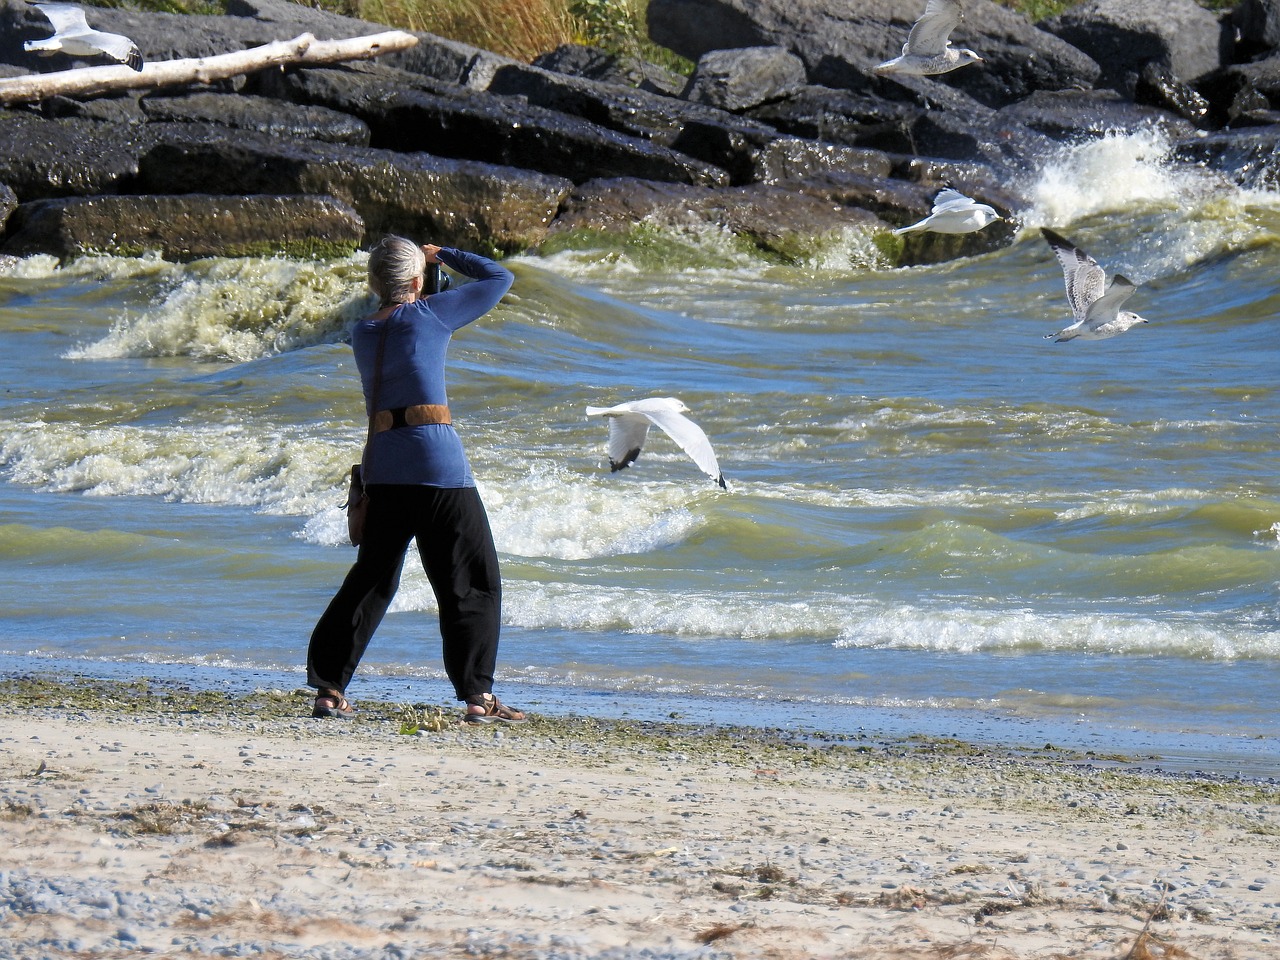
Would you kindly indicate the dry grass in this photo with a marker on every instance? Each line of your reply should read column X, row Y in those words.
column 520, row 29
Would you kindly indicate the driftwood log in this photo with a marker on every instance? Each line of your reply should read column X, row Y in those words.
column 96, row 81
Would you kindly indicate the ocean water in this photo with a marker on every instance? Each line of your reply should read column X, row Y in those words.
column 937, row 520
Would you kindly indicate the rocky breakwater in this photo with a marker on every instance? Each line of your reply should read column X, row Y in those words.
column 784, row 134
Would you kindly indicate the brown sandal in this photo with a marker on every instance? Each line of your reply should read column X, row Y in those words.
column 331, row 704
column 495, row 711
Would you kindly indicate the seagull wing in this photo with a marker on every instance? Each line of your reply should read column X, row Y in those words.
column 949, row 198
column 1085, row 280
column 117, row 47
column 1107, row 307
column 932, row 32
column 691, row 439
column 65, row 17
column 627, row 432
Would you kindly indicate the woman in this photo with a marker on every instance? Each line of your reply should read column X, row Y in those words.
column 418, row 482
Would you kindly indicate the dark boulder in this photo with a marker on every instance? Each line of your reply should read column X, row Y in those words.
column 744, row 77
column 186, row 227
column 951, row 125
column 1257, row 25
column 712, row 136
column 851, row 118
column 1018, row 58
column 795, row 159
column 261, row 115
column 1244, row 94
column 1073, row 115
column 116, row 110
column 474, row 205
column 8, row 203
column 592, row 63
column 785, row 224
column 69, row 157
column 1125, row 35
column 840, row 41
column 412, row 115
column 925, row 117
column 1158, row 87
column 974, row 179
column 1249, row 157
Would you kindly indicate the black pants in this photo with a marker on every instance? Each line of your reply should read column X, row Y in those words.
column 456, row 547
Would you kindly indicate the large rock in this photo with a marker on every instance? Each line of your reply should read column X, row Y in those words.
column 474, row 205
column 1249, row 157
column 1244, row 93
column 8, row 203
column 1124, row 35
column 1158, row 87
column 781, row 222
column 1257, row 24
column 951, row 125
column 840, row 41
column 450, row 121
column 72, row 157
column 744, row 78
column 592, row 63
column 261, row 115
column 697, row 130
column 942, row 122
column 186, row 227
column 852, row 118
column 795, row 159
column 1073, row 115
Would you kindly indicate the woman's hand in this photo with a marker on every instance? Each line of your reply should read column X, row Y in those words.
column 432, row 252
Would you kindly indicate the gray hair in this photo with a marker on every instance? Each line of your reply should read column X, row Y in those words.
column 393, row 265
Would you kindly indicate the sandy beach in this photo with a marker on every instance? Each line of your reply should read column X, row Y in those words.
column 142, row 821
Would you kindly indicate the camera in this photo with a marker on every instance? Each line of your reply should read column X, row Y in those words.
column 435, row 280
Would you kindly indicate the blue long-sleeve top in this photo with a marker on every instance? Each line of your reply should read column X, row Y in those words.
column 418, row 337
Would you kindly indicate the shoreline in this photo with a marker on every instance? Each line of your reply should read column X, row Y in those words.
column 1116, row 742
column 148, row 818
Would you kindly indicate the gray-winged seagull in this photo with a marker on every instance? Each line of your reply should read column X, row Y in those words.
column 72, row 35
column 629, row 425
column 928, row 49
column 953, row 212
column 1097, row 313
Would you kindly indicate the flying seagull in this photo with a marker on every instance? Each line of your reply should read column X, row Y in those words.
column 1097, row 314
column 928, row 49
column 629, row 425
column 73, row 35
column 953, row 212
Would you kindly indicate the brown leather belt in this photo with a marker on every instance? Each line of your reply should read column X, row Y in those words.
column 414, row 416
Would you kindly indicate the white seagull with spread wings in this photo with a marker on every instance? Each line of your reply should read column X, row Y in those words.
column 953, row 212
column 629, row 426
column 72, row 35
column 928, row 49
column 1095, row 306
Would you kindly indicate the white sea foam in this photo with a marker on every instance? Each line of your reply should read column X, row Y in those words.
column 852, row 622
column 1197, row 213
column 237, row 310
column 271, row 470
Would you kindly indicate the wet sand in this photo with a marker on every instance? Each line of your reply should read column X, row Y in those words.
column 167, row 823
